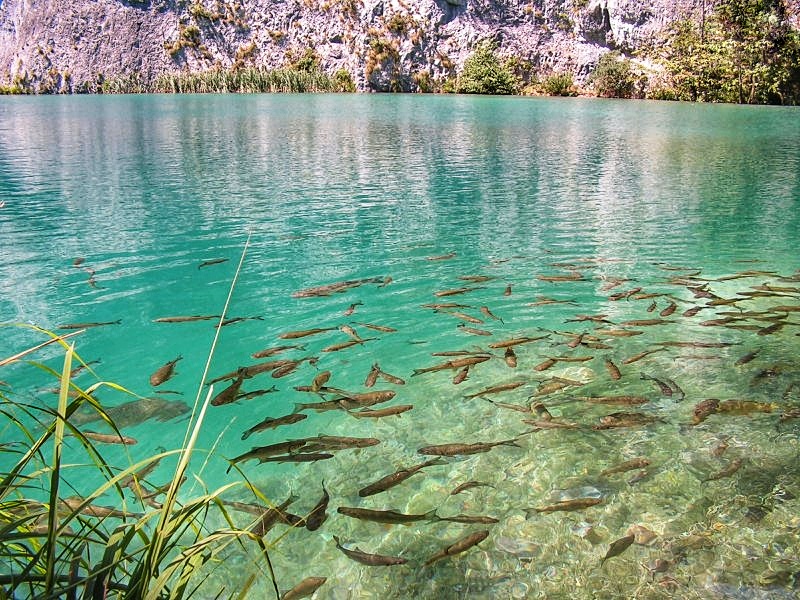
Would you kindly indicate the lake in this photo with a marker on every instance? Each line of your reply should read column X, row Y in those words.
column 549, row 241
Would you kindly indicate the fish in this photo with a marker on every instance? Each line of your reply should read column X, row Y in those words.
column 320, row 380
column 474, row 331
column 574, row 276
column 78, row 261
column 75, row 503
column 544, row 300
column 663, row 387
column 442, row 257
column 544, row 365
column 644, row 322
column 292, row 335
column 745, row 407
column 495, row 389
column 88, row 325
column 445, row 305
column 109, row 438
column 572, row 359
column 770, row 329
column 270, row 516
column 734, row 466
column 393, row 479
column 624, row 295
column 372, row 376
column 485, row 310
column 463, row 449
column 514, row 407
column 454, row 292
column 690, row 312
column 703, row 409
column 676, row 388
column 635, row 463
column 517, row 341
column 371, row 560
column 251, row 371
column 549, row 424
column 564, row 505
column 618, row 332
column 349, row 331
column 461, row 375
column 671, row 307
column 248, row 395
column 382, row 412
column 164, row 373
column 466, row 317
column 698, row 344
column 186, row 319
column 461, row 545
column 336, row 287
column 457, row 363
column 617, row 547
column 310, row 457
column 135, row 412
column 476, row 278
column 277, row 350
column 507, row 291
column 212, row 261
column 640, row 356
column 652, row 307
column 554, row 384
column 337, row 442
column 390, row 517
column 583, row 318
column 472, row 519
column 287, row 368
column 229, row 394
column 381, row 328
column 747, row 358
column 352, row 308
column 613, row 370
column 345, row 345
column 304, row 589
column 468, row 485
column 233, row 320
column 261, row 453
column 389, row 378
column 74, row 372
column 624, row 419
column 318, row 514
column 510, row 357
column 540, row 410
column 618, row 400
column 270, row 423
column 361, row 400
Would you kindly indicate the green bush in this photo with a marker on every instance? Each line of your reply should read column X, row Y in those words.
column 559, row 84
column 614, row 77
column 343, row 81
column 483, row 74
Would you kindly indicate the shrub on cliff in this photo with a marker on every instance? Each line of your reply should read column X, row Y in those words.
column 614, row 77
column 483, row 74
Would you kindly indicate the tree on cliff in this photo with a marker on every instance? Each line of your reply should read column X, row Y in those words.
column 483, row 74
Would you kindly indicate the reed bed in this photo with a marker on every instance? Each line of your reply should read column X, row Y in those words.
column 58, row 541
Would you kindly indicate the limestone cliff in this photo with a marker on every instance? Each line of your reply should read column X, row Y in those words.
column 404, row 45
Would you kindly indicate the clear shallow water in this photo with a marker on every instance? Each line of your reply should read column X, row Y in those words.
column 336, row 188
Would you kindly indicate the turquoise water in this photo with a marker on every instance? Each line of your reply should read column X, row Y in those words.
column 342, row 188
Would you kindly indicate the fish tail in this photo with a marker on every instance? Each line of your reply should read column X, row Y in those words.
column 117, row 322
column 298, row 408
column 247, row 434
column 337, row 541
column 511, row 442
column 417, row 372
column 431, row 515
column 230, row 466
column 530, row 512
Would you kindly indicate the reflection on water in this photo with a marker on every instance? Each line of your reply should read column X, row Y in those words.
column 555, row 213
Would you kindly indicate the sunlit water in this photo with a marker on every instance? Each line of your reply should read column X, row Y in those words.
column 343, row 188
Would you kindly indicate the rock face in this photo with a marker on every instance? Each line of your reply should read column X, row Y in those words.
column 54, row 46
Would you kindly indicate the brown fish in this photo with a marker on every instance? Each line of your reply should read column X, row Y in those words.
column 613, row 370
column 466, row 317
column 474, row 331
column 510, row 357
column 212, row 261
column 618, row 400
column 88, row 325
column 644, row 322
column 268, row 517
column 456, row 291
column 164, row 373
column 261, row 453
column 550, row 424
column 626, row 294
column 618, row 332
column 640, row 356
column 442, row 256
column 461, row 545
column 291, row 335
column 476, row 278
column 662, row 386
column 517, row 341
column 109, row 438
column 344, row 345
column 371, row 560
column 389, row 378
column 617, row 547
column 671, row 307
column 229, row 394
column 460, row 376
column 507, row 291
column 318, row 514
column 635, row 463
column 393, row 479
column 320, row 380
column 734, row 466
column 703, row 409
column 514, row 407
column 337, row 442
column 372, row 376
column 74, row 503
column 624, row 419
column 186, row 319
column 470, row 519
column 544, row 365
column 381, row 328
column 496, row 389
column 352, row 308
column 690, row 312
column 270, row 423
column 745, row 407
column 468, row 486
column 747, row 358
column 277, row 350
column 304, row 589
column 564, row 505
column 574, row 276
column 382, row 412
column 452, row 364
column 485, row 310
column 462, row 449
column 311, row 457
column 555, row 384
column 390, row 517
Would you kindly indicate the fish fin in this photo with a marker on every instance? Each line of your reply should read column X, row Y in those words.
column 431, row 515
column 512, row 442
column 298, row 408
column 230, row 466
column 531, row 512
column 246, row 434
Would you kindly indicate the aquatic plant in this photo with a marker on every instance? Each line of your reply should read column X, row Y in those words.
column 58, row 546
